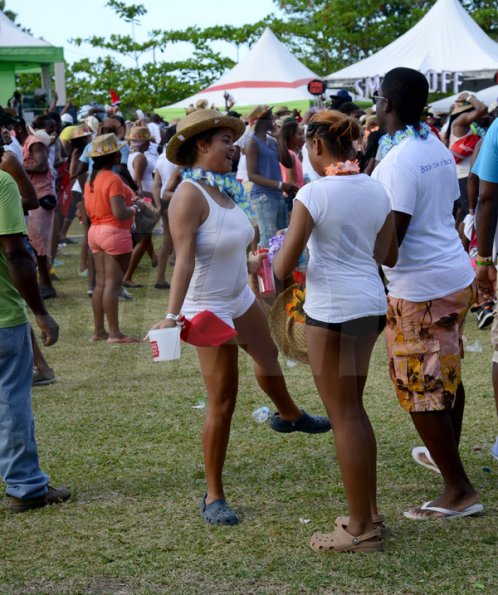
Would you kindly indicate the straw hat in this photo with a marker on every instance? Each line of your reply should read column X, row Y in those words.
column 197, row 122
column 139, row 134
column 288, row 333
column 105, row 144
column 79, row 131
column 259, row 112
column 460, row 107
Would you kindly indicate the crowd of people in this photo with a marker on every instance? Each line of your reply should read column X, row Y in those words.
column 394, row 208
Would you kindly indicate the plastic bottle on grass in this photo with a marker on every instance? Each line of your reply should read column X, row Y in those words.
column 261, row 414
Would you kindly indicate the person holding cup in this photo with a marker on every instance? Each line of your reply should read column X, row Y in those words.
column 111, row 206
column 211, row 235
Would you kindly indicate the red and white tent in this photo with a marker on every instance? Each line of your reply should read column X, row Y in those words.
column 268, row 74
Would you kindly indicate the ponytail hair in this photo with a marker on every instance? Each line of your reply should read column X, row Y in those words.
column 100, row 163
column 337, row 131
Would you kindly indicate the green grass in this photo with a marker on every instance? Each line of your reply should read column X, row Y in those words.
column 121, row 431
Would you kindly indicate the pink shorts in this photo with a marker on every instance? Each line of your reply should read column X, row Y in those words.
column 110, row 239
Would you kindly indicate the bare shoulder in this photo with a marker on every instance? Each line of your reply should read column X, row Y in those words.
column 189, row 203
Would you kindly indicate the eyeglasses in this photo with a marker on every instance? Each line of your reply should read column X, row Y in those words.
column 376, row 96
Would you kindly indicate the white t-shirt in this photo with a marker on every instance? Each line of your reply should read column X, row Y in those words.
column 15, row 147
column 242, row 142
column 342, row 280
column 165, row 169
column 155, row 130
column 422, row 180
column 308, row 171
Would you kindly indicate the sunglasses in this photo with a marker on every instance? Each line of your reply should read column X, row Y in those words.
column 376, row 96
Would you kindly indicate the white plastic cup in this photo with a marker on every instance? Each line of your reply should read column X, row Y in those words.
column 165, row 343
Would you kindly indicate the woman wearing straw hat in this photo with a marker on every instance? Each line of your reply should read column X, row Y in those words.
column 346, row 216
column 111, row 207
column 141, row 164
column 211, row 234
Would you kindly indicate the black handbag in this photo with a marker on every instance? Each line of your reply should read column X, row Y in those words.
column 145, row 221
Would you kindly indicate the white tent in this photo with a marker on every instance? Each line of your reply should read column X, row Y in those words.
column 487, row 96
column 445, row 39
column 268, row 74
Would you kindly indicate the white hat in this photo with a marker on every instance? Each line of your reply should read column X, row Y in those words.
column 67, row 119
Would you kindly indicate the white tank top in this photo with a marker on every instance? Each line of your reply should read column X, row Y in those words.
column 220, row 271
column 148, row 175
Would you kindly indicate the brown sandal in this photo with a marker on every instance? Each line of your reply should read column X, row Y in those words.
column 342, row 541
column 377, row 519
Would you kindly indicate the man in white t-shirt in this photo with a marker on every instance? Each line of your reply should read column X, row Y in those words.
column 431, row 288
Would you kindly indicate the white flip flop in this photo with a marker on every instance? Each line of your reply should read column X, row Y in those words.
column 422, row 450
column 446, row 512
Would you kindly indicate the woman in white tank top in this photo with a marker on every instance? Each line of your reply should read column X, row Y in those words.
column 141, row 163
column 211, row 235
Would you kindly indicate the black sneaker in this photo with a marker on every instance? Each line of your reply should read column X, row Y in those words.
column 53, row 496
column 486, row 314
column 309, row 424
column 48, row 292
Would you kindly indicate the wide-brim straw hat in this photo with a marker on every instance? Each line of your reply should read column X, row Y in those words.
column 139, row 134
column 105, row 144
column 197, row 122
column 259, row 112
column 80, row 130
column 460, row 107
column 288, row 333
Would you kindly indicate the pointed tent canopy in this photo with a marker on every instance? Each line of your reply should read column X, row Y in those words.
column 21, row 52
column 268, row 74
column 445, row 39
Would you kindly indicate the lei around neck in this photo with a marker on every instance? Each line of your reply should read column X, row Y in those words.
column 388, row 141
column 226, row 183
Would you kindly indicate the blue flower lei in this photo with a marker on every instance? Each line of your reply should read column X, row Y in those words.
column 388, row 141
column 224, row 182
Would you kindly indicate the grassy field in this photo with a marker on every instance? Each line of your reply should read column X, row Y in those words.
column 123, row 433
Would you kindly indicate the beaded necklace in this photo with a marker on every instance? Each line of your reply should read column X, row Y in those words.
column 226, row 183
column 388, row 141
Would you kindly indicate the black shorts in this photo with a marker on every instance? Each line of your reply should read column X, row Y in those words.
column 357, row 326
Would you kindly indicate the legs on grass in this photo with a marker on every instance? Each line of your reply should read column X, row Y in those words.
column 219, row 368
column 339, row 364
column 436, row 428
column 164, row 250
column 110, row 270
column 144, row 245
column 254, row 336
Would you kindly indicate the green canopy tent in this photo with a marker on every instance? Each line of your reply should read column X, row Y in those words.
column 21, row 52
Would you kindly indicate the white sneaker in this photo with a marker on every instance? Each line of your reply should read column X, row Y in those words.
column 494, row 449
column 125, row 295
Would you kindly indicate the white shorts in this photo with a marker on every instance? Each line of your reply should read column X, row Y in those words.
column 228, row 310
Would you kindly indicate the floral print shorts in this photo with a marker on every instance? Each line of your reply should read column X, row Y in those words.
column 424, row 345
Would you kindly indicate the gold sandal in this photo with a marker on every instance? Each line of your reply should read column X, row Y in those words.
column 342, row 541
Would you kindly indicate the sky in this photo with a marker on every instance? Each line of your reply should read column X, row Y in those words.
column 60, row 20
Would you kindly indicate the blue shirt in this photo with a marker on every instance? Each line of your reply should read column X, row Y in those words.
column 486, row 164
column 125, row 151
column 268, row 166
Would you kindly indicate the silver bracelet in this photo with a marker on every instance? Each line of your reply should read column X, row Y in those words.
column 279, row 187
column 174, row 317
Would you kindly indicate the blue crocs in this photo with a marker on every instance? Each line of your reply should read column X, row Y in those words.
column 218, row 512
column 309, row 424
